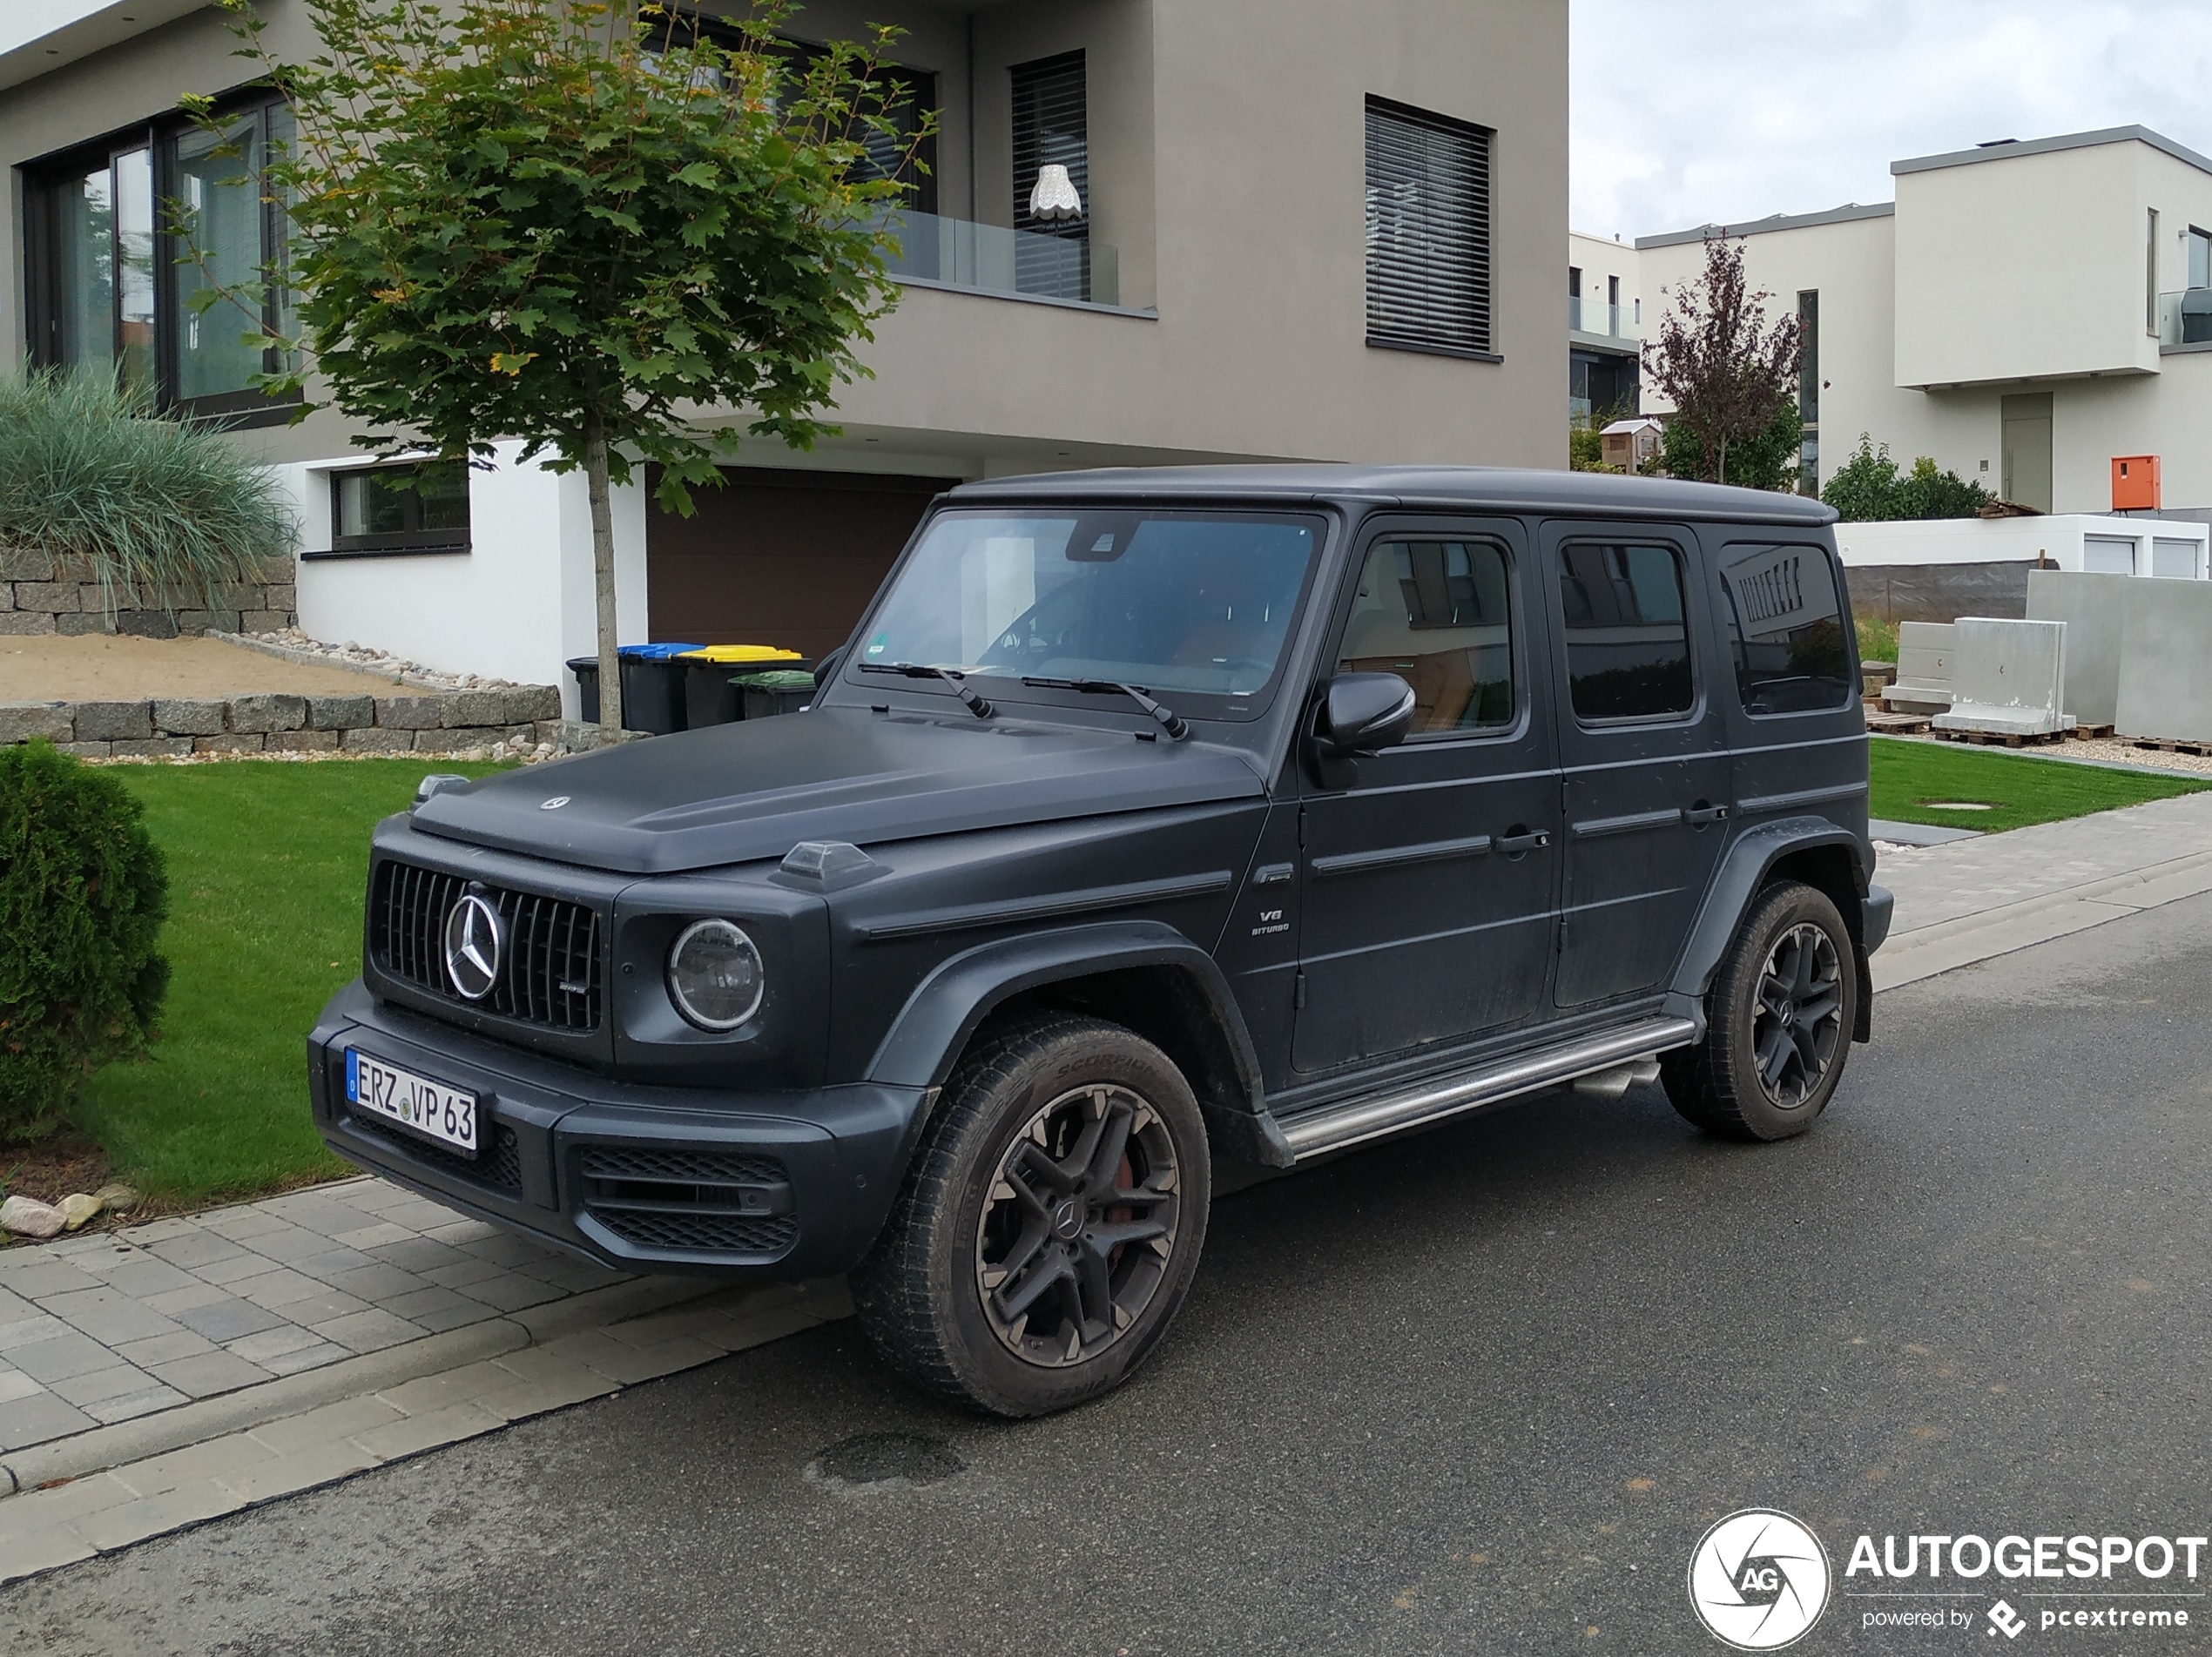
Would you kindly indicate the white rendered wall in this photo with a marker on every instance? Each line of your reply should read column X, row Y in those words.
column 515, row 606
column 1597, row 257
column 2059, row 538
column 2023, row 268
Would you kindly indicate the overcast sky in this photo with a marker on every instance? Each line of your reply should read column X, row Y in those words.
column 1694, row 112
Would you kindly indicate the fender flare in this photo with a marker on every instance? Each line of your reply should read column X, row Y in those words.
column 1743, row 871
column 927, row 1037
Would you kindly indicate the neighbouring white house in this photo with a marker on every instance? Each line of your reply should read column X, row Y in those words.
column 2028, row 313
column 1604, row 326
column 1358, row 272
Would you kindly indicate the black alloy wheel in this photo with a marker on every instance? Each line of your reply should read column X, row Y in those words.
column 1779, row 1019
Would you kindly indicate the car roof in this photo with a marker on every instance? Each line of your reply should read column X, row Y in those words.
column 1496, row 488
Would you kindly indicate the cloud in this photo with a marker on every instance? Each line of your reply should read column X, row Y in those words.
column 1691, row 111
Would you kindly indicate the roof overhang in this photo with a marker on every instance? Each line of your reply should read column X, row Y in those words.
column 38, row 37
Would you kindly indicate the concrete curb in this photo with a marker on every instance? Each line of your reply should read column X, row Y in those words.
column 568, row 1359
column 249, row 1407
column 1988, row 933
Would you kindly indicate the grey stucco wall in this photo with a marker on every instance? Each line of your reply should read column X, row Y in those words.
column 1229, row 170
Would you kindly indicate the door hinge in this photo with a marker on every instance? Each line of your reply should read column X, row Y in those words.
column 1301, row 828
column 1297, row 996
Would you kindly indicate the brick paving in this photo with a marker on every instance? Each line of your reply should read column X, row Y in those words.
column 101, row 1329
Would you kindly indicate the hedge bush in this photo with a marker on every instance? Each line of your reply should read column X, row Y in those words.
column 82, row 897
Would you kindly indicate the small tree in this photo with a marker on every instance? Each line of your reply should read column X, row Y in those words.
column 1727, row 374
column 1768, row 460
column 573, row 224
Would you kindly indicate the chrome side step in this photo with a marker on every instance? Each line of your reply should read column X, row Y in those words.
column 1359, row 1120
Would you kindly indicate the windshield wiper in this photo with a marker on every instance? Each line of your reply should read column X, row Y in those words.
column 1176, row 728
column 974, row 702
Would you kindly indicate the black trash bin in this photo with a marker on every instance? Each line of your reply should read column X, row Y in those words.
column 786, row 691
column 652, row 687
column 710, row 696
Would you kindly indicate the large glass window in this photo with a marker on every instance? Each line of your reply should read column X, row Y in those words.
column 113, row 273
column 97, row 313
column 1785, row 627
column 1188, row 604
column 1628, row 642
column 1435, row 612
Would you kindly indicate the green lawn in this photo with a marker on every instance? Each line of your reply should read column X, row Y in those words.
column 1907, row 776
column 266, row 867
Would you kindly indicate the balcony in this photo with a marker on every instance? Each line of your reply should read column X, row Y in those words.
column 1593, row 316
column 990, row 258
column 2185, row 317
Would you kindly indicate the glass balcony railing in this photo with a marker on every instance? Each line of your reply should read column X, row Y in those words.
column 2185, row 317
column 1591, row 316
column 991, row 259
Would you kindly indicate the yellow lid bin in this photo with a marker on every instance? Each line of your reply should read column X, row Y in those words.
column 741, row 653
column 708, row 697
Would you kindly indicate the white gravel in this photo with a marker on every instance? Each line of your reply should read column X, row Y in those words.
column 361, row 655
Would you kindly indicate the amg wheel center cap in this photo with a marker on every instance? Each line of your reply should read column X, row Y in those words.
column 1068, row 1220
column 472, row 948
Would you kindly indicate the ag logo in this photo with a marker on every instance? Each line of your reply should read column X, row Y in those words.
column 1758, row 1580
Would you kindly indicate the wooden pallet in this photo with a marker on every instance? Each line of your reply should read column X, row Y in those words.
column 1897, row 724
column 2002, row 738
column 2090, row 733
column 2168, row 746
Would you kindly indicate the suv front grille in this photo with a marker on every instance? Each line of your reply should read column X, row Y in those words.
column 548, row 965
column 499, row 1166
column 691, row 1201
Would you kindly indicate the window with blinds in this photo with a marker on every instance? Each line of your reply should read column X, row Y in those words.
column 1428, row 232
column 1052, row 124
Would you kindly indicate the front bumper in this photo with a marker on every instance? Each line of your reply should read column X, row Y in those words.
column 768, row 1186
column 1878, row 906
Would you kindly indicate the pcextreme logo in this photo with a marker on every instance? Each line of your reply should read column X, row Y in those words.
column 1759, row 1579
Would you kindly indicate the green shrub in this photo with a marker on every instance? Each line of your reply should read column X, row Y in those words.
column 82, row 898
column 86, row 471
column 1767, row 461
column 1877, row 639
column 1866, row 489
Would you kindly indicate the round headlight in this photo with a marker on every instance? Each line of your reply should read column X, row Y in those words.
column 715, row 976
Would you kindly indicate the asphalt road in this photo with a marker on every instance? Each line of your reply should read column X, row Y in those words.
column 1477, row 1392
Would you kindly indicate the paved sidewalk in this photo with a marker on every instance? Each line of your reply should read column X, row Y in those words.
column 1973, row 900
column 107, row 1328
column 170, row 1372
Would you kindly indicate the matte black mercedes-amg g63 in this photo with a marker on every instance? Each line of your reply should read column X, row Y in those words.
column 1149, row 820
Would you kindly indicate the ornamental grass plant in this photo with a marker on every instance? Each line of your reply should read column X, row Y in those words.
column 164, row 510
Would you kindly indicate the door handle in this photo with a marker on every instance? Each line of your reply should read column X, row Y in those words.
column 1698, row 815
column 1522, row 840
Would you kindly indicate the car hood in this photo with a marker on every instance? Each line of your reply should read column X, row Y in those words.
column 736, row 792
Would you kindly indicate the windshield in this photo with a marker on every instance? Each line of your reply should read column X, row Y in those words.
column 1175, row 603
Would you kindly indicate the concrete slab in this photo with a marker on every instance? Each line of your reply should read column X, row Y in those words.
column 2094, row 610
column 1882, row 828
column 2166, row 667
column 2009, row 677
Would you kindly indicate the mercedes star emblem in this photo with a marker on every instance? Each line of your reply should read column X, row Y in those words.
column 554, row 804
column 472, row 946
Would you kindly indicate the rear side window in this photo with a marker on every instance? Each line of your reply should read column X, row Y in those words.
column 1435, row 612
column 1785, row 629
column 1628, row 646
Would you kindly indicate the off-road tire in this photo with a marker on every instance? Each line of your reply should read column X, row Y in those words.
column 1720, row 1084
column 920, row 1292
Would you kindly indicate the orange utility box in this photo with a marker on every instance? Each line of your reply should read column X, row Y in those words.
column 2135, row 484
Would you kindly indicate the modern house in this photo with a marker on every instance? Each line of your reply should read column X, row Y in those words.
column 2031, row 315
column 1604, row 326
column 1355, row 274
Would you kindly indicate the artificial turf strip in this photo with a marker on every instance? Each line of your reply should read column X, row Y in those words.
column 1906, row 775
column 267, row 862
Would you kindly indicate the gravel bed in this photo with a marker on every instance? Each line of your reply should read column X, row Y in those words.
column 361, row 656
column 2111, row 748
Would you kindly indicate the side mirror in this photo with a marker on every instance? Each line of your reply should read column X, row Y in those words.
column 1364, row 713
column 826, row 670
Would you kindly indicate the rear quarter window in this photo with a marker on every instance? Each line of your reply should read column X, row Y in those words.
column 1785, row 625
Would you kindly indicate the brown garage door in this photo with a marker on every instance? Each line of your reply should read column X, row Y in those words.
column 778, row 557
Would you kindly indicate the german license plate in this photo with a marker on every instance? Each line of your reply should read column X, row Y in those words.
column 445, row 1114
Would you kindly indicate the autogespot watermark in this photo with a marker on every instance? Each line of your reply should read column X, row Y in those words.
column 1759, row 1580
column 2148, row 1583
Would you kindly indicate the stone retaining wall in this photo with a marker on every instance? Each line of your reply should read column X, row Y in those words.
column 167, row 727
column 40, row 593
